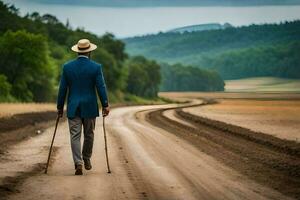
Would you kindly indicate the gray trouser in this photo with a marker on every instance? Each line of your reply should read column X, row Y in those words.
column 75, row 126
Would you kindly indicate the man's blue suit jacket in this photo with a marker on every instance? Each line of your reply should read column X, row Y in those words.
column 81, row 78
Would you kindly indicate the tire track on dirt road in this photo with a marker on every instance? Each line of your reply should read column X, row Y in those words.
column 268, row 160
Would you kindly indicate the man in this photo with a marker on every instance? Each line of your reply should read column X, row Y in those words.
column 81, row 78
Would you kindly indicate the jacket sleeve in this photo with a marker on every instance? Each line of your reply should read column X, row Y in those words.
column 62, row 92
column 101, row 87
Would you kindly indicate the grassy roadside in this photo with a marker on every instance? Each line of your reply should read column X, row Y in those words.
column 121, row 99
column 9, row 109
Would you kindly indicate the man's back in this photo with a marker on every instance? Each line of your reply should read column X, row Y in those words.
column 81, row 77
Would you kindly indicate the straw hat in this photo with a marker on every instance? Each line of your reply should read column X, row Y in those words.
column 83, row 46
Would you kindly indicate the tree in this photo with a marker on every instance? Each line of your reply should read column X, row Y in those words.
column 13, row 9
column 47, row 18
column 5, row 88
column 26, row 64
column 143, row 77
column 137, row 78
column 114, row 73
column 113, row 46
column 35, row 16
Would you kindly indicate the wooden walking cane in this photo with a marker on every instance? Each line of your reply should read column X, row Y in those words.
column 107, row 163
column 50, row 150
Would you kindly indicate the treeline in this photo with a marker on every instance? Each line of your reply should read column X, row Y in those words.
column 281, row 60
column 186, row 78
column 200, row 48
column 34, row 47
column 144, row 77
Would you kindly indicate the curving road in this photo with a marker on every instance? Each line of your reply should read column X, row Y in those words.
column 147, row 163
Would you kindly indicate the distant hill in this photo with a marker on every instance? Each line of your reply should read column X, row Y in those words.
column 255, row 50
column 200, row 27
column 153, row 3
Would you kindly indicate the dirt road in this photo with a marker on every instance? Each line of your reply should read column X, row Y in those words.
column 147, row 163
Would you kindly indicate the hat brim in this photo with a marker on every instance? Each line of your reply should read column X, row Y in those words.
column 91, row 48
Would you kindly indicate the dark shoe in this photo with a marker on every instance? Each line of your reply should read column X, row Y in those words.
column 78, row 169
column 87, row 164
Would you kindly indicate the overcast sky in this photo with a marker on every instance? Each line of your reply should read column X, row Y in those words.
column 147, row 3
column 131, row 21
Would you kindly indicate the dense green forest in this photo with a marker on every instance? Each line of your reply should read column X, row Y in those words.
column 34, row 47
column 186, row 78
column 227, row 51
column 282, row 60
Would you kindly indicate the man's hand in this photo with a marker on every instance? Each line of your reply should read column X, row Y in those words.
column 105, row 111
column 60, row 113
